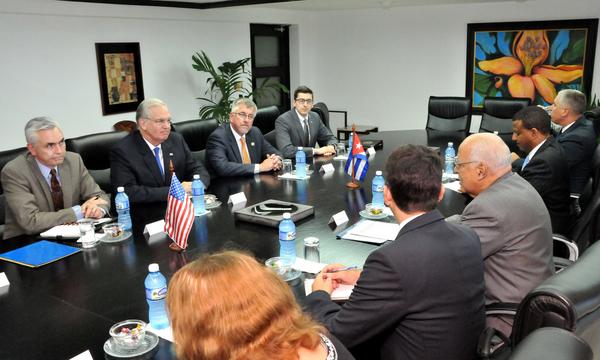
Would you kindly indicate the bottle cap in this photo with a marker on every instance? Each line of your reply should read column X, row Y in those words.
column 120, row 189
column 287, row 215
column 153, row 267
column 378, row 172
column 311, row 241
column 196, row 177
column 299, row 148
column 450, row 143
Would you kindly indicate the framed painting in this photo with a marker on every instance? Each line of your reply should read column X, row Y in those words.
column 120, row 75
column 533, row 59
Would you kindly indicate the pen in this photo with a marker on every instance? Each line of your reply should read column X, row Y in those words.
column 345, row 268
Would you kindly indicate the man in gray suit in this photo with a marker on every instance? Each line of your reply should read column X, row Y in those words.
column 300, row 127
column 46, row 186
column 511, row 220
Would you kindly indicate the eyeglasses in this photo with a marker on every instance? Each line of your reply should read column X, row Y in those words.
column 458, row 164
column 304, row 101
column 52, row 146
column 245, row 116
column 161, row 121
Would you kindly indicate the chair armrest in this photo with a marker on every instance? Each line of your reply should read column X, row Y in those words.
column 561, row 263
column 492, row 344
column 501, row 308
column 571, row 246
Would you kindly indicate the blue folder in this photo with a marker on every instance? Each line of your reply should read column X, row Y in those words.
column 39, row 253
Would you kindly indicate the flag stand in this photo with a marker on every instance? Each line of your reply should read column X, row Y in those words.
column 353, row 185
column 175, row 247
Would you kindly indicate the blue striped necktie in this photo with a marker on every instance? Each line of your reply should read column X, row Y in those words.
column 157, row 157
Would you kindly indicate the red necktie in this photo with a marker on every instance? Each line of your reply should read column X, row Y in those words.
column 57, row 195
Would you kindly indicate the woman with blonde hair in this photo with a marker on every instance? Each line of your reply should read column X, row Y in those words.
column 228, row 306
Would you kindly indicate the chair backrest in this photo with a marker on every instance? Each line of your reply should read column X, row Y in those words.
column 568, row 300
column 586, row 228
column 8, row 155
column 196, row 132
column 449, row 113
column 265, row 118
column 323, row 111
column 271, row 138
column 552, row 344
column 594, row 116
column 498, row 112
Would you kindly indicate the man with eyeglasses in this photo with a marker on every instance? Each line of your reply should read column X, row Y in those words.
column 301, row 127
column 48, row 186
column 143, row 160
column 511, row 220
column 238, row 148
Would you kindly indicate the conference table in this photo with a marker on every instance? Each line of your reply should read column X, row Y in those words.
column 62, row 309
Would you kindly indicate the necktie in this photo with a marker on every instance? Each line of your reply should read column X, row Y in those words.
column 158, row 162
column 306, row 133
column 525, row 162
column 245, row 156
column 56, row 190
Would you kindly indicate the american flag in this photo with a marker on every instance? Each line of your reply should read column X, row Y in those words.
column 361, row 163
column 180, row 214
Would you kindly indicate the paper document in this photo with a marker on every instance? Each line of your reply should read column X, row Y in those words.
column 454, row 186
column 66, row 231
column 308, row 266
column 376, row 232
column 293, row 177
column 343, row 292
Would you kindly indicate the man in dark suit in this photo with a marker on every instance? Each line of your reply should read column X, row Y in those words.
column 545, row 166
column 420, row 296
column 238, row 148
column 142, row 161
column 301, row 127
column 577, row 136
column 48, row 185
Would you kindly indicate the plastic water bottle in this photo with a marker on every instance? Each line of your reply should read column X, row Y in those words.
column 377, row 190
column 300, row 163
column 198, row 195
column 122, row 205
column 156, row 292
column 449, row 156
column 287, row 238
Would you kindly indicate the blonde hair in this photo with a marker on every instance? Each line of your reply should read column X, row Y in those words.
column 228, row 306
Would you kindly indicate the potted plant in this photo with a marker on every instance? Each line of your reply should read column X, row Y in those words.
column 227, row 82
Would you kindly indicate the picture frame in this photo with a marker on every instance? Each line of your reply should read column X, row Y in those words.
column 120, row 77
column 533, row 59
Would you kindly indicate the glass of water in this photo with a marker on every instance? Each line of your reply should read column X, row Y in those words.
column 88, row 235
column 341, row 149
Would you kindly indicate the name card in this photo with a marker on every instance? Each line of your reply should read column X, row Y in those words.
column 371, row 151
column 155, row 231
column 339, row 218
column 86, row 355
column 237, row 198
column 327, row 168
column 3, row 280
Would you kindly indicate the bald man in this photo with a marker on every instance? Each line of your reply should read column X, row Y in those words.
column 511, row 220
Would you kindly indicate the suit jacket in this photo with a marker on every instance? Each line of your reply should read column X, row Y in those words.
column 289, row 133
column 132, row 165
column 548, row 172
column 29, row 206
column 579, row 143
column 514, row 227
column 419, row 297
column 223, row 155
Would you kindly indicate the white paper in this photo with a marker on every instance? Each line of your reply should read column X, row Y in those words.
column 341, row 157
column 342, row 292
column 373, row 231
column 290, row 176
column 454, row 186
column 339, row 218
column 67, row 231
column 308, row 266
column 327, row 168
column 86, row 355
column 371, row 151
column 3, row 280
column 101, row 221
column 166, row 333
column 237, row 198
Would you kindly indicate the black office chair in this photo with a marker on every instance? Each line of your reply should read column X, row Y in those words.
column 5, row 157
column 445, row 113
column 270, row 137
column 94, row 150
column 196, row 132
column 552, row 344
column 594, row 116
column 497, row 117
column 265, row 118
column 323, row 110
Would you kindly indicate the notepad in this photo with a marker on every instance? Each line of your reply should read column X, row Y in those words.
column 342, row 292
column 369, row 231
column 39, row 253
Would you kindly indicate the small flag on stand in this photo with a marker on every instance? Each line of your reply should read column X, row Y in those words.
column 180, row 214
column 357, row 163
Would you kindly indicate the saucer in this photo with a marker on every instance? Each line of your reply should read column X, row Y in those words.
column 150, row 341
column 366, row 215
column 291, row 275
column 109, row 239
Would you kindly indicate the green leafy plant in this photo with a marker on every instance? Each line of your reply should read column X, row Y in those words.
column 593, row 103
column 227, row 82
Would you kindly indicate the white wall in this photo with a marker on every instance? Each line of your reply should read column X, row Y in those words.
column 381, row 65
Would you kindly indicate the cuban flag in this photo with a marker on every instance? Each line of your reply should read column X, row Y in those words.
column 180, row 214
column 361, row 164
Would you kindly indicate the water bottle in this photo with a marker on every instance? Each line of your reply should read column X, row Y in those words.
column 198, row 196
column 377, row 190
column 156, row 292
column 287, row 238
column 449, row 156
column 300, row 163
column 122, row 205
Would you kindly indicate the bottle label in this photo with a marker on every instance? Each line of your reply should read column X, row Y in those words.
column 378, row 188
column 156, row 294
column 290, row 235
column 122, row 205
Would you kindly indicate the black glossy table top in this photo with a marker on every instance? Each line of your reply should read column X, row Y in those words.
column 62, row 309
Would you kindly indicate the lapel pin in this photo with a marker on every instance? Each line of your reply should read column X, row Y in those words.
column 252, row 143
column 170, row 154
